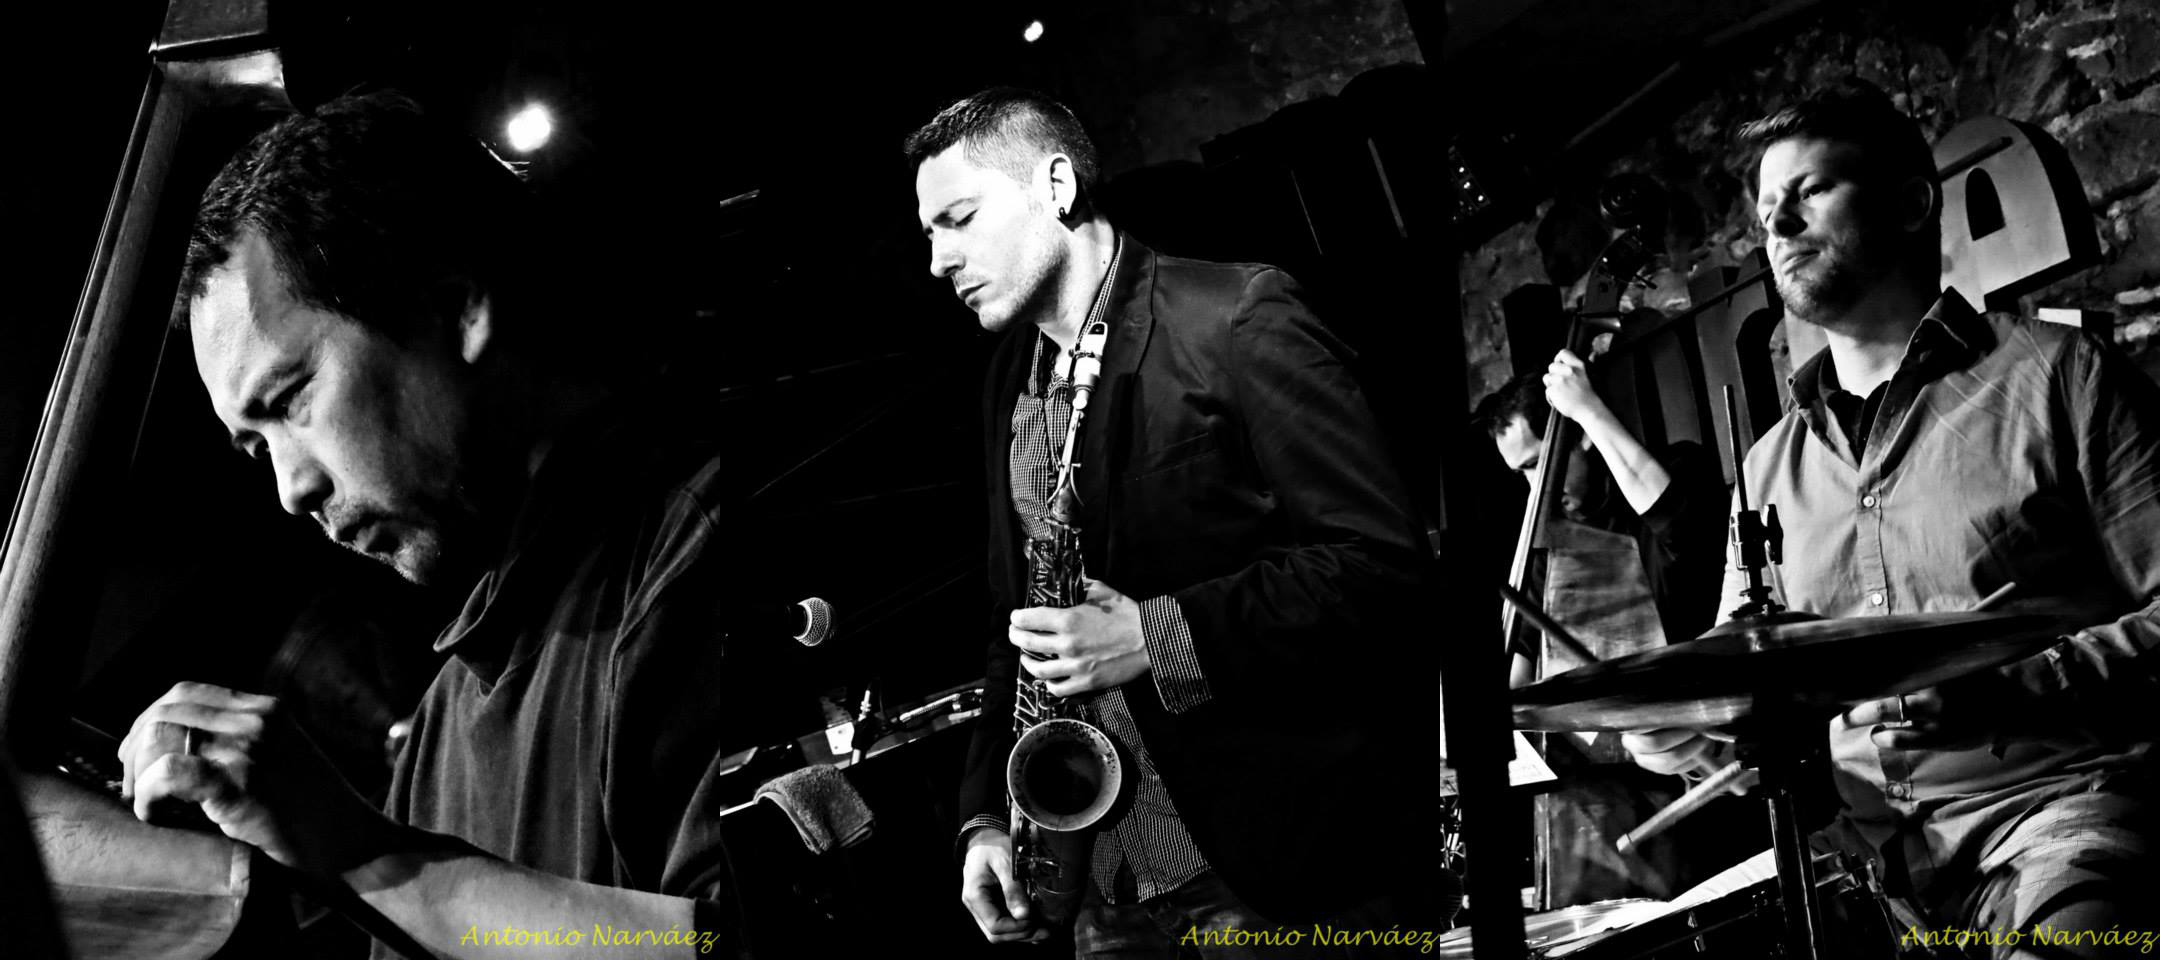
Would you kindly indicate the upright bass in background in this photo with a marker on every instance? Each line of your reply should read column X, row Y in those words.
column 1592, row 577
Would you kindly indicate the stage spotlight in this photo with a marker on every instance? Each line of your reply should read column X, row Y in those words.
column 1033, row 32
column 530, row 128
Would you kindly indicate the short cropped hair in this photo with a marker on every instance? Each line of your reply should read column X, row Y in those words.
column 374, row 212
column 1522, row 397
column 1852, row 110
column 1009, row 130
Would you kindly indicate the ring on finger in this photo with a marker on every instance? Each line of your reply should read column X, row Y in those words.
column 1902, row 720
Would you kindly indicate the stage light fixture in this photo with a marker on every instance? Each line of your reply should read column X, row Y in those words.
column 530, row 128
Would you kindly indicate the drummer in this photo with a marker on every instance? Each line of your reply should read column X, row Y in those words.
column 1635, row 567
column 1932, row 455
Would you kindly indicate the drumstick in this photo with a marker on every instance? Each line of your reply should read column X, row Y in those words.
column 1991, row 600
column 1702, row 793
column 1543, row 621
column 1689, row 802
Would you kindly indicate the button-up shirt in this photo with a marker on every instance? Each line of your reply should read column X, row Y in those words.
column 2000, row 451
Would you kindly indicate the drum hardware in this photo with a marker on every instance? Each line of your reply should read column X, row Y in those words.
column 1732, row 905
column 1553, row 928
column 1771, row 680
column 1773, row 688
column 1759, row 542
column 1735, row 671
column 1735, row 776
column 1452, row 853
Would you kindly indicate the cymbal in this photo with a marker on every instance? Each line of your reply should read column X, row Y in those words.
column 1785, row 663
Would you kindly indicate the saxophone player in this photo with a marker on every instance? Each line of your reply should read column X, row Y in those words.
column 1250, row 566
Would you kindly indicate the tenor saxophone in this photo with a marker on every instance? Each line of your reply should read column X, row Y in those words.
column 1063, row 774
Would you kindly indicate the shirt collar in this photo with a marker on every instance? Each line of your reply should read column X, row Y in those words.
column 581, row 480
column 1949, row 336
column 539, row 506
column 1114, row 278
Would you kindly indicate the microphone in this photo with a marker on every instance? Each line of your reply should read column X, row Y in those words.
column 812, row 621
column 808, row 621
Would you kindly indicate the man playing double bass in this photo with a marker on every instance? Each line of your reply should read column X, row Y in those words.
column 1932, row 455
column 1251, row 560
column 1670, row 501
column 1633, row 565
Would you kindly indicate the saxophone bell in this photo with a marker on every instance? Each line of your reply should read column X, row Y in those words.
column 1064, row 774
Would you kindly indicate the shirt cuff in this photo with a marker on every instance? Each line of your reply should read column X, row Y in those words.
column 1171, row 660
column 990, row 820
column 2049, row 672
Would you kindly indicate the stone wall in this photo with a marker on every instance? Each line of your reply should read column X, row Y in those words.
column 2087, row 71
column 1161, row 77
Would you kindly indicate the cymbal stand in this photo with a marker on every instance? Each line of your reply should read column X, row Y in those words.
column 1779, row 736
column 1780, row 749
column 1758, row 537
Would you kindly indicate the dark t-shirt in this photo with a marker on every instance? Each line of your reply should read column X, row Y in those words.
column 593, row 688
column 1682, row 540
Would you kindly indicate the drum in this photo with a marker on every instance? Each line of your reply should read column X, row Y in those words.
column 1555, row 929
column 1734, row 914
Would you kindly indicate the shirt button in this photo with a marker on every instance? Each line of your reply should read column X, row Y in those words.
column 1868, row 501
column 1875, row 599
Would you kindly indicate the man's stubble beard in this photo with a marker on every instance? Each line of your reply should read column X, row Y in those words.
column 1818, row 300
column 445, row 552
column 1840, row 279
column 1041, row 277
column 467, row 517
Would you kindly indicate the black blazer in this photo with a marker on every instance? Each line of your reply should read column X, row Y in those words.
column 1228, row 458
